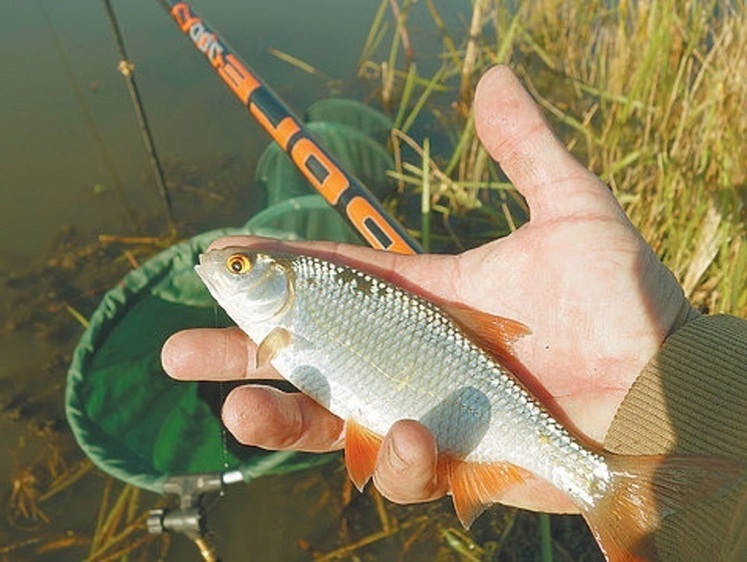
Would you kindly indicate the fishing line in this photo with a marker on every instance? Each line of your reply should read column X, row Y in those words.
column 106, row 157
column 127, row 69
column 221, row 400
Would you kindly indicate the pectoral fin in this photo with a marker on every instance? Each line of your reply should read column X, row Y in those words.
column 277, row 340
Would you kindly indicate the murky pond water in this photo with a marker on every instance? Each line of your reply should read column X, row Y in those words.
column 70, row 156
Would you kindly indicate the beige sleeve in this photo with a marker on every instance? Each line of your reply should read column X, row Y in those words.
column 691, row 399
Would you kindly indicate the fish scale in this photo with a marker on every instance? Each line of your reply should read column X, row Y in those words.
column 373, row 354
column 430, row 372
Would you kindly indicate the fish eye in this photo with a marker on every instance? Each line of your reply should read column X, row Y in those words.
column 238, row 263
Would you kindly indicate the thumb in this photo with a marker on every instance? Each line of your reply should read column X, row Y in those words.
column 514, row 132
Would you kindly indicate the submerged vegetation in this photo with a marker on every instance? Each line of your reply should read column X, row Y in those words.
column 649, row 94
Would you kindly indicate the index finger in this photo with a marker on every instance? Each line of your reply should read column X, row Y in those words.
column 217, row 354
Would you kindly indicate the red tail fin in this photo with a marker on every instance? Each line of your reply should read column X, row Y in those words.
column 646, row 490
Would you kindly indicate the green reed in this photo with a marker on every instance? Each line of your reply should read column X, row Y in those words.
column 649, row 95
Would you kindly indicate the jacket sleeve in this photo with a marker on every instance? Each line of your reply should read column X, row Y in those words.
column 691, row 399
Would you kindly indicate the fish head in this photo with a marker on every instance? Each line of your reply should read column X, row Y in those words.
column 252, row 287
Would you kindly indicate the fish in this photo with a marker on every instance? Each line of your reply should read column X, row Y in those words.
column 373, row 353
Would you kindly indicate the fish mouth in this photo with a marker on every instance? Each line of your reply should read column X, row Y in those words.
column 201, row 270
column 200, row 266
column 202, row 259
column 205, row 260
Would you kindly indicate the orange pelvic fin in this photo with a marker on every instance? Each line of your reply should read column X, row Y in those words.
column 476, row 486
column 493, row 333
column 361, row 451
column 647, row 489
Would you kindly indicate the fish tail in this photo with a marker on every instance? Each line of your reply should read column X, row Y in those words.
column 647, row 489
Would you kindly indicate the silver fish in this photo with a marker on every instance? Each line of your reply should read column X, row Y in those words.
column 373, row 353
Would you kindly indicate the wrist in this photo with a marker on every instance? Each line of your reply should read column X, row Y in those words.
column 696, row 375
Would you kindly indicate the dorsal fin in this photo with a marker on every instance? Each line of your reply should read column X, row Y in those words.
column 494, row 334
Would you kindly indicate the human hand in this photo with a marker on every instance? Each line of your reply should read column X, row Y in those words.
column 596, row 298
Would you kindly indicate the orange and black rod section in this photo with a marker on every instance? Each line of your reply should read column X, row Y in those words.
column 342, row 190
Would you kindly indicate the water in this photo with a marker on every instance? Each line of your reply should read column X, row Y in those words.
column 49, row 159
column 54, row 143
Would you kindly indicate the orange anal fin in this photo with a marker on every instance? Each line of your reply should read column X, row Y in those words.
column 476, row 486
column 494, row 334
column 361, row 451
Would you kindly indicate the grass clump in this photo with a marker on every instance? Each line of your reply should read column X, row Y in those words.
column 649, row 95
column 657, row 103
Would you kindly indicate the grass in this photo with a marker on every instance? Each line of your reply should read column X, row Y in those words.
column 649, row 95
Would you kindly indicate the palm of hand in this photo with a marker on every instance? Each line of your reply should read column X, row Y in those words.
column 596, row 299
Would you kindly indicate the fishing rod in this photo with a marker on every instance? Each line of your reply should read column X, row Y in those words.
column 340, row 189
